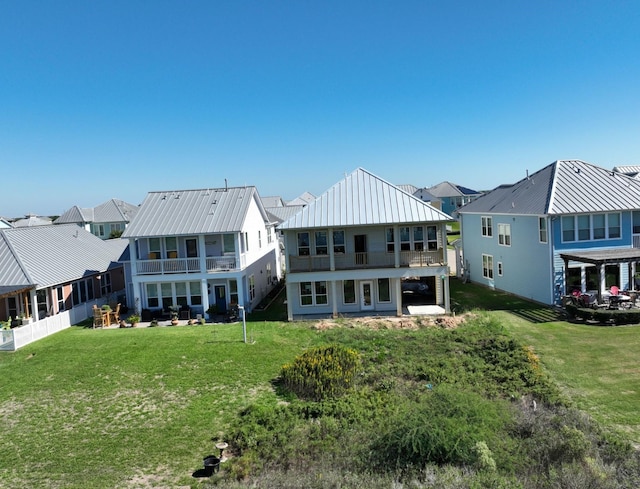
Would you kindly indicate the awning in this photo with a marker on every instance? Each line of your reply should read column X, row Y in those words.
column 9, row 290
column 606, row 257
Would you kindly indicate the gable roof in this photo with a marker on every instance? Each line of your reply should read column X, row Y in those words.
column 54, row 254
column 191, row 212
column 280, row 214
column 407, row 187
column 302, row 199
column 31, row 220
column 362, row 199
column 272, row 201
column 630, row 170
column 112, row 210
column 75, row 215
column 563, row 187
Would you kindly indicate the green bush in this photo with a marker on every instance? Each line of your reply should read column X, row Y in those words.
column 321, row 373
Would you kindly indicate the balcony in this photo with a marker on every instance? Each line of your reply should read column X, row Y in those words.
column 355, row 261
column 186, row 265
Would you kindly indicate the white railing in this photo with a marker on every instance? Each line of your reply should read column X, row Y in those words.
column 636, row 240
column 169, row 265
column 221, row 263
column 348, row 261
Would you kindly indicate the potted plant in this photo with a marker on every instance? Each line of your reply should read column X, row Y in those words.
column 212, row 311
column 133, row 320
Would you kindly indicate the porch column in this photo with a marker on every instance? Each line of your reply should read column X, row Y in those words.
column 34, row 304
column 565, row 274
column 447, row 298
column 204, row 291
column 397, row 283
column 289, row 286
column 601, row 280
column 202, row 253
column 334, row 297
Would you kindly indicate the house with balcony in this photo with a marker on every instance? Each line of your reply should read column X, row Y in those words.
column 350, row 250
column 106, row 220
column 197, row 248
column 570, row 226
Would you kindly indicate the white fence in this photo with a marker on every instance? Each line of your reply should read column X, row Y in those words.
column 12, row 339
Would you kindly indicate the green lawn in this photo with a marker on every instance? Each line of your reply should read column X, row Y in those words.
column 132, row 408
column 599, row 367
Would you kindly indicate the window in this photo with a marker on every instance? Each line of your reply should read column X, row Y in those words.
column 405, row 239
column 154, row 248
column 252, row 288
column 152, row 295
column 487, row 266
column 171, row 245
column 487, row 227
column 568, row 228
column 245, row 242
column 599, row 227
column 105, row 284
column 82, row 291
column 584, row 228
column 269, row 235
column 504, row 234
column 636, row 222
column 321, row 243
column 338, row 242
column 60, row 298
column 390, row 241
column 418, row 238
column 384, row 290
column 195, row 290
column 432, row 238
column 499, row 269
column 542, row 229
column 181, row 294
column 259, row 239
column 167, row 296
column 614, row 225
column 313, row 293
column 192, row 248
column 101, row 232
column 233, row 291
column 321, row 293
column 303, row 244
column 349, row 291
column 268, row 273
column 229, row 243
column 306, row 294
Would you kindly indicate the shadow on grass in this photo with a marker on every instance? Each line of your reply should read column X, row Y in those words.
column 468, row 297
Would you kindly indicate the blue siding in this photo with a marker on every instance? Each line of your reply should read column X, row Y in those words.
column 526, row 264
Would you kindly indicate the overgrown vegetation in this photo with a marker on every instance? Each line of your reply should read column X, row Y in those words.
column 447, row 408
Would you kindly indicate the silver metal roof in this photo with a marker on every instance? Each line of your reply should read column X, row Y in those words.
column 362, row 199
column 50, row 255
column 191, row 212
column 281, row 214
column 272, row 201
column 563, row 187
column 302, row 199
column 113, row 210
column 11, row 273
column 448, row 189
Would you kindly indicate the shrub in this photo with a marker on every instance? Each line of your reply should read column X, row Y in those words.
column 321, row 373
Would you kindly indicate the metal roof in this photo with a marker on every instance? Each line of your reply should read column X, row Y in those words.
column 605, row 256
column 362, row 199
column 563, row 187
column 12, row 275
column 272, row 201
column 50, row 255
column 303, row 199
column 191, row 212
column 115, row 210
column 280, row 214
column 75, row 215
column 448, row 189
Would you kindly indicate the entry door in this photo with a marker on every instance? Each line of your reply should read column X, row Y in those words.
column 366, row 295
column 360, row 247
column 221, row 298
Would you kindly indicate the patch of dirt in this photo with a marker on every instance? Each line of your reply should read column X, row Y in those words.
column 393, row 322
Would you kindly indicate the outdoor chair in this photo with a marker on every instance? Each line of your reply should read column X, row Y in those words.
column 185, row 313
column 114, row 315
column 98, row 317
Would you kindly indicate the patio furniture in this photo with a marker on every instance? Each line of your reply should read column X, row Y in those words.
column 100, row 317
column 114, row 315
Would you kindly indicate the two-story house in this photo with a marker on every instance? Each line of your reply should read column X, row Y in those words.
column 451, row 196
column 348, row 251
column 196, row 248
column 571, row 225
column 106, row 220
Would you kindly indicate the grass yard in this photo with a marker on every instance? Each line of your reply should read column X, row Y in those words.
column 599, row 367
column 132, row 408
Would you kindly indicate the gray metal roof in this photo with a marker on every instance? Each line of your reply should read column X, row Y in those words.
column 362, row 199
column 563, row 187
column 302, row 199
column 407, row 187
column 448, row 189
column 11, row 272
column 31, row 220
column 75, row 215
column 272, row 201
column 50, row 255
column 115, row 210
column 191, row 212
column 630, row 170
column 281, row 214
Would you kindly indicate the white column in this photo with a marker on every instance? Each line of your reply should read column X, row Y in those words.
column 334, row 297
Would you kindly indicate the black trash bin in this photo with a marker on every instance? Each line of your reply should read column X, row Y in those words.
column 211, row 464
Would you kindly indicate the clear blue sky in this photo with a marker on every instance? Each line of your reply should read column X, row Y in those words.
column 105, row 99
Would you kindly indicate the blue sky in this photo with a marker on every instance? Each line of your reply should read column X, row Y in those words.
column 113, row 99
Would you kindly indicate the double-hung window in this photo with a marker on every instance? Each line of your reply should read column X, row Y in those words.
column 349, row 291
column 338, row 242
column 542, row 229
column 405, row 238
column 613, row 221
column 432, row 238
column 487, row 266
column 321, row 243
column 313, row 293
column 487, row 226
column 303, row 244
column 504, row 234
column 390, row 240
column 418, row 238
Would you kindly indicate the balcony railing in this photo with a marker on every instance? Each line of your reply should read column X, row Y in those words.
column 185, row 265
column 352, row 261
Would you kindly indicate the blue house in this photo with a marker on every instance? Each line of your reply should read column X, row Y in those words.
column 570, row 226
column 451, row 196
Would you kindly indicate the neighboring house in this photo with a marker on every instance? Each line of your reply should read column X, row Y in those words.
column 571, row 225
column 112, row 216
column 196, row 248
column 302, row 199
column 45, row 270
column 274, row 201
column 452, row 196
column 31, row 220
column 4, row 223
column 349, row 250
column 629, row 170
column 425, row 196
